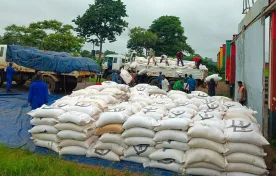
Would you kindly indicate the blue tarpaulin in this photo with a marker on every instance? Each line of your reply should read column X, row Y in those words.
column 15, row 123
column 58, row 62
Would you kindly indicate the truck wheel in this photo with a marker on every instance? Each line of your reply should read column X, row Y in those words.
column 52, row 85
column 108, row 78
column 20, row 82
column 154, row 82
column 1, row 80
column 69, row 86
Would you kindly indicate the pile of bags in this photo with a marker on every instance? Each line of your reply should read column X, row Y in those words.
column 216, row 78
column 184, row 133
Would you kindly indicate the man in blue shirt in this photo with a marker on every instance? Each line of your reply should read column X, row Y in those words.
column 159, row 78
column 191, row 83
column 38, row 94
column 9, row 74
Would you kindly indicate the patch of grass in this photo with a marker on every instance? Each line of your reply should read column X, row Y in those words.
column 266, row 73
column 94, row 80
column 16, row 162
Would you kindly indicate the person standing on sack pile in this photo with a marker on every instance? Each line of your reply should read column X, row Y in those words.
column 10, row 71
column 164, row 57
column 191, row 83
column 38, row 93
column 133, row 57
column 159, row 78
column 241, row 93
column 165, row 83
column 212, row 87
column 179, row 85
column 179, row 56
column 151, row 56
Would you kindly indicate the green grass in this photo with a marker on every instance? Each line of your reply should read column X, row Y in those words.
column 266, row 73
column 94, row 80
column 16, row 162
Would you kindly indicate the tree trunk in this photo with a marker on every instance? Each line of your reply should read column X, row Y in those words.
column 101, row 48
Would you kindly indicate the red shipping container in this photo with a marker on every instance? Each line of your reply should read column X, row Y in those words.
column 232, row 74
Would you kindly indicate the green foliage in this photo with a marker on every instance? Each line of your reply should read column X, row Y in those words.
column 102, row 21
column 141, row 39
column 85, row 53
column 107, row 52
column 46, row 35
column 170, row 35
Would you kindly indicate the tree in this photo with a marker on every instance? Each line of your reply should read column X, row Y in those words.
column 141, row 39
column 85, row 53
column 107, row 52
column 46, row 35
column 171, row 37
column 102, row 21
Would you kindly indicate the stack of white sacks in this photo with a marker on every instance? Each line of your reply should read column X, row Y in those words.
column 184, row 133
column 44, row 133
column 138, row 134
column 243, row 150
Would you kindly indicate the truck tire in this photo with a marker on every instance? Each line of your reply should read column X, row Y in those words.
column 20, row 82
column 109, row 77
column 52, row 85
column 154, row 82
column 70, row 86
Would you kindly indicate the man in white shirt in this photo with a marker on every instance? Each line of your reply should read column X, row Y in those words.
column 164, row 57
column 165, row 83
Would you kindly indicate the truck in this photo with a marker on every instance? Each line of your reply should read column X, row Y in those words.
column 171, row 72
column 60, row 70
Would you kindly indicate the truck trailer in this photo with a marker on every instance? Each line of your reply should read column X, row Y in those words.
column 60, row 70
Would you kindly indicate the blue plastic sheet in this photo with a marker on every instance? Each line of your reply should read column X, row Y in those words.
column 15, row 123
column 58, row 62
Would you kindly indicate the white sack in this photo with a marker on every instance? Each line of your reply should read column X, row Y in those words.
column 133, row 141
column 72, row 150
column 167, row 165
column 173, row 124
column 205, row 165
column 47, row 144
column 161, row 154
column 205, row 155
column 46, row 137
column 206, row 144
column 173, row 145
column 244, row 135
column 206, row 132
column 103, row 154
column 84, row 144
column 136, row 159
column 78, row 118
column 173, row 135
column 138, row 132
column 44, row 121
column 244, row 148
column 139, row 121
column 85, row 107
column 46, row 112
column 202, row 171
column 74, row 127
column 117, row 149
column 247, row 159
column 247, row 168
column 242, row 124
column 139, row 150
column 43, row 129
column 69, row 134
column 112, row 138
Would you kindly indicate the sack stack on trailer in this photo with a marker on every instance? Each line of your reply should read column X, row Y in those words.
column 183, row 133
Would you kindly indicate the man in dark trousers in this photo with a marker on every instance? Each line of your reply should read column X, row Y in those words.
column 38, row 93
column 179, row 56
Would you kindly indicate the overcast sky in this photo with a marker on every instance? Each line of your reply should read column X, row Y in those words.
column 207, row 24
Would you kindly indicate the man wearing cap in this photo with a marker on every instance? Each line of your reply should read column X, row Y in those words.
column 241, row 93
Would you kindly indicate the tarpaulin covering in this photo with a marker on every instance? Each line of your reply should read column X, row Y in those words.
column 15, row 123
column 58, row 62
